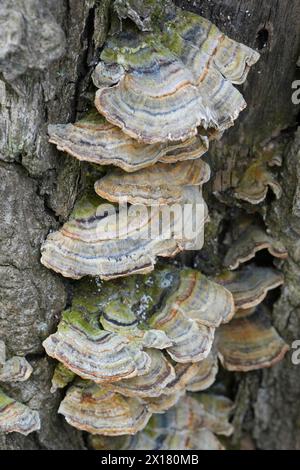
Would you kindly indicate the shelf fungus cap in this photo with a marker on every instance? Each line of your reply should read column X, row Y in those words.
column 189, row 425
column 248, row 239
column 216, row 411
column 16, row 369
column 99, row 241
column 150, row 384
column 250, row 342
column 93, row 409
column 253, row 186
column 163, row 403
column 191, row 342
column 183, row 73
column 194, row 377
column 16, row 417
column 94, row 139
column 250, row 284
column 158, row 185
column 202, row 300
column 93, row 353
column 150, row 98
column 205, row 374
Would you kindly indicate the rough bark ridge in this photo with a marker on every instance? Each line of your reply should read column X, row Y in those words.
column 39, row 186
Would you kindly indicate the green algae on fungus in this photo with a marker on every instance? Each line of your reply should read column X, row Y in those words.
column 15, row 369
column 16, row 417
column 115, row 330
column 93, row 353
column 91, row 408
column 62, row 376
column 95, row 140
column 183, row 73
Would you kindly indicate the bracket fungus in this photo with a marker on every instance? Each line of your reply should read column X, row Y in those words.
column 91, row 408
column 247, row 238
column 93, row 353
column 15, row 369
column 150, row 384
column 250, row 284
column 189, row 425
column 99, row 241
column 94, row 139
column 205, row 374
column 114, row 332
column 258, row 178
column 14, row 416
column 250, row 342
column 133, row 347
column 185, row 71
column 158, row 185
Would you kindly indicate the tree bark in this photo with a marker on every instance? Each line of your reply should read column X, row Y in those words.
column 50, row 84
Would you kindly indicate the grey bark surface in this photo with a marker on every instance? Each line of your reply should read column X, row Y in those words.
column 51, row 48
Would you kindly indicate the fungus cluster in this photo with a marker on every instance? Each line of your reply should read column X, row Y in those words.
column 131, row 348
column 14, row 416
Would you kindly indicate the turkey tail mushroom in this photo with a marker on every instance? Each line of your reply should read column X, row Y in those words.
column 250, row 342
column 184, row 72
column 94, row 139
column 16, row 417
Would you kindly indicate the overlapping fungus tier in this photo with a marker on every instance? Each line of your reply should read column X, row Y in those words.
column 100, row 240
column 250, row 341
column 95, row 140
column 15, row 369
column 250, row 284
column 159, row 185
column 91, row 408
column 14, row 416
column 255, row 183
column 248, row 236
column 189, row 425
column 148, row 82
column 118, row 333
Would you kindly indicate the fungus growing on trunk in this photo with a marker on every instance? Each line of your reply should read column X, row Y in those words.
column 100, row 240
column 113, row 332
column 94, row 139
column 14, row 416
column 15, row 369
column 247, row 238
column 136, row 346
column 183, row 72
column 158, row 185
column 250, row 342
column 189, row 425
column 250, row 284
column 91, row 408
